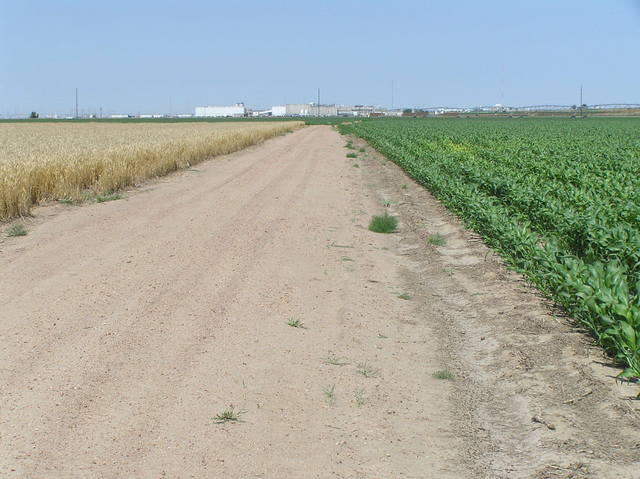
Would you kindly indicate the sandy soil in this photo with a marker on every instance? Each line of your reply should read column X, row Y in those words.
column 127, row 326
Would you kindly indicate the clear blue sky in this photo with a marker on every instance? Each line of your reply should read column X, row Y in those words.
column 143, row 56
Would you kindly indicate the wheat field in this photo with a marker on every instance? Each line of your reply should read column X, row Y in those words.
column 76, row 161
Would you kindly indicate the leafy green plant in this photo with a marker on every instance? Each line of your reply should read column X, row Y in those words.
column 444, row 374
column 16, row 230
column 383, row 223
column 228, row 415
column 437, row 240
column 109, row 197
column 352, row 155
column 296, row 323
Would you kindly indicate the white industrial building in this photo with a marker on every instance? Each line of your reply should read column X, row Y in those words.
column 237, row 110
column 279, row 111
column 310, row 109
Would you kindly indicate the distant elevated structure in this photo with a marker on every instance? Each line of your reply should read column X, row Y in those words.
column 310, row 109
column 237, row 110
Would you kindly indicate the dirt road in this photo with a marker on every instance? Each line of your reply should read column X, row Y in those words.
column 127, row 326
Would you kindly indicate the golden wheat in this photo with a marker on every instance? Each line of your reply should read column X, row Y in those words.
column 46, row 161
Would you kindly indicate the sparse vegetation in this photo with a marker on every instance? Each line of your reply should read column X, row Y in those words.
column 228, row 415
column 437, row 240
column 383, row 223
column 330, row 394
column 334, row 360
column 444, row 374
column 108, row 197
column 352, row 155
column 350, row 145
column 296, row 323
column 366, row 370
column 16, row 230
column 404, row 296
column 359, row 397
column 386, row 203
column 66, row 201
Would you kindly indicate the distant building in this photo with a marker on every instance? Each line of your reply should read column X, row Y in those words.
column 310, row 109
column 360, row 110
column 279, row 111
column 237, row 110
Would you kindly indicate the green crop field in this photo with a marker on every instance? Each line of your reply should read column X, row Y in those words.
column 559, row 199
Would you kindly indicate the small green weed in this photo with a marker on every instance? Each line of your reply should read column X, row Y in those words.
column 361, row 149
column 109, row 197
column 352, row 155
column 437, row 240
column 17, row 230
column 383, row 224
column 366, row 370
column 66, row 201
column 386, row 203
column 334, row 360
column 359, row 395
column 444, row 374
column 350, row 145
column 296, row 323
column 404, row 296
column 228, row 415
column 330, row 394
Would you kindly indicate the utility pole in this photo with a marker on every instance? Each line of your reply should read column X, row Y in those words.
column 318, row 101
column 76, row 103
column 392, row 94
column 580, row 100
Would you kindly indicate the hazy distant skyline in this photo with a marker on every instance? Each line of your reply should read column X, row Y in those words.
column 170, row 56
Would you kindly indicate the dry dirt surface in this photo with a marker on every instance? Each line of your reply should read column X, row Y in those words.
column 127, row 327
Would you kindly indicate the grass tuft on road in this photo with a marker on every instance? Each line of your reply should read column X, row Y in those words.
column 228, row 415
column 444, row 374
column 437, row 240
column 296, row 323
column 109, row 197
column 16, row 230
column 383, row 223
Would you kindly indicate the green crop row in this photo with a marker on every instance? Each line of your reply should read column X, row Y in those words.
column 559, row 199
